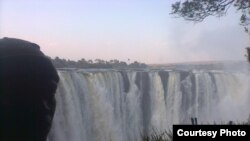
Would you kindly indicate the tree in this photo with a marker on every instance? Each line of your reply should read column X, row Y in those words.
column 198, row 10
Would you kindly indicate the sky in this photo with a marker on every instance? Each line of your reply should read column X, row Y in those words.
column 139, row 30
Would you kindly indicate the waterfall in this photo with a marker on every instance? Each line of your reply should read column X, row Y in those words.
column 121, row 105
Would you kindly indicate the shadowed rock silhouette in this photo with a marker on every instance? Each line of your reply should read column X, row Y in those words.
column 28, row 82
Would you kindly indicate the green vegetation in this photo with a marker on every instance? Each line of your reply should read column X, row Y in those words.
column 97, row 63
column 159, row 136
column 198, row 10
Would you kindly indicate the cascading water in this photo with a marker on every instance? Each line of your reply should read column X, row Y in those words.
column 121, row 105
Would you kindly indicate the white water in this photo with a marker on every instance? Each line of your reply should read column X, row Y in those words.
column 112, row 105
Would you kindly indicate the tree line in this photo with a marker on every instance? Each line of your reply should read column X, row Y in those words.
column 97, row 63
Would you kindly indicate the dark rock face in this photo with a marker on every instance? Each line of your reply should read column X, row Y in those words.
column 125, row 81
column 28, row 82
column 143, row 83
column 164, row 75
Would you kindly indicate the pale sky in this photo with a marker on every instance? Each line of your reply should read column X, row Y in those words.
column 141, row 30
